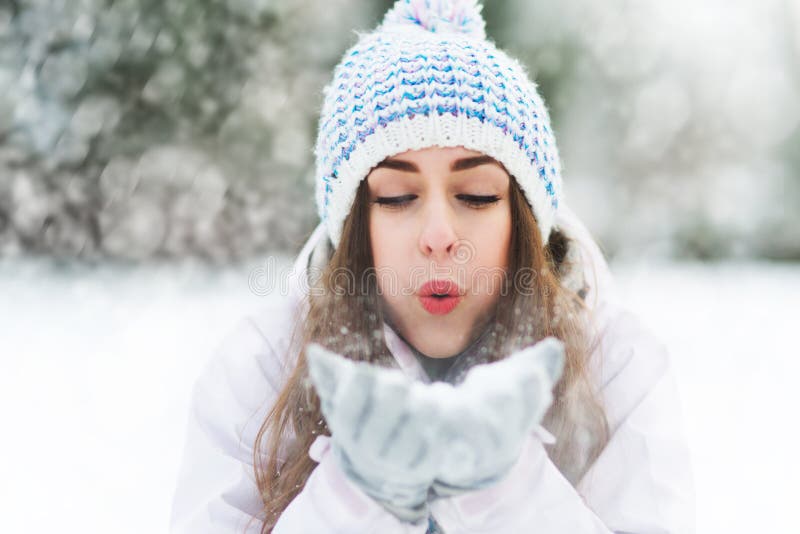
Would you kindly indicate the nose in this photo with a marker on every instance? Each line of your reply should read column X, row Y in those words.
column 438, row 233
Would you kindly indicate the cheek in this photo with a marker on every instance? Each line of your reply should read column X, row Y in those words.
column 380, row 237
column 484, row 273
column 495, row 237
column 389, row 256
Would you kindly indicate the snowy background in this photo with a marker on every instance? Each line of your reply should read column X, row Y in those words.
column 152, row 153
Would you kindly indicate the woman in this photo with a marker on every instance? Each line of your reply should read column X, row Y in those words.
column 445, row 249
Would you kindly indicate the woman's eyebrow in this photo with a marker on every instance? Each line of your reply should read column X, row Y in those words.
column 458, row 165
column 469, row 163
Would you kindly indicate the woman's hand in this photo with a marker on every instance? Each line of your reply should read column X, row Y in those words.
column 499, row 404
column 385, row 428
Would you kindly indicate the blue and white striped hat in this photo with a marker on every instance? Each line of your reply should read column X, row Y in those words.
column 427, row 76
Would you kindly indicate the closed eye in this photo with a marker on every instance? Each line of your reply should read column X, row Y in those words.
column 395, row 202
column 477, row 201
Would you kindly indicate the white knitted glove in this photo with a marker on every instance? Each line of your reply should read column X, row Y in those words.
column 499, row 404
column 395, row 437
column 384, row 428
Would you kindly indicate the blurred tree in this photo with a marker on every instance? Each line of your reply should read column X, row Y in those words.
column 683, row 116
column 159, row 128
column 141, row 128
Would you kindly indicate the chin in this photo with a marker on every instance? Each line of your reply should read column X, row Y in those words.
column 440, row 350
column 441, row 354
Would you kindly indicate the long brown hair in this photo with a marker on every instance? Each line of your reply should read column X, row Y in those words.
column 544, row 308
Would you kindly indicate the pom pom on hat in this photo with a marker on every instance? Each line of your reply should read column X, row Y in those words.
column 438, row 16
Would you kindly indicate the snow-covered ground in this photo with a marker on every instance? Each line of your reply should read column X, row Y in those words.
column 97, row 367
column 732, row 330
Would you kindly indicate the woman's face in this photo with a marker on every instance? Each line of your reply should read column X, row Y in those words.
column 439, row 214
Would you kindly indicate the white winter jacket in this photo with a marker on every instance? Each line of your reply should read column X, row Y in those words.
column 640, row 484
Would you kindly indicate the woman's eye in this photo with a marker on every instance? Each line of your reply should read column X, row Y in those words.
column 395, row 202
column 479, row 201
column 476, row 201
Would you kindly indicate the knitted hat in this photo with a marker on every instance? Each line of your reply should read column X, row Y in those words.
column 426, row 77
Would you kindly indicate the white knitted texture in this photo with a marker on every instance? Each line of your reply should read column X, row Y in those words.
column 365, row 116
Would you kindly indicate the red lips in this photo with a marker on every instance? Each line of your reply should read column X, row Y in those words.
column 439, row 297
column 439, row 287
